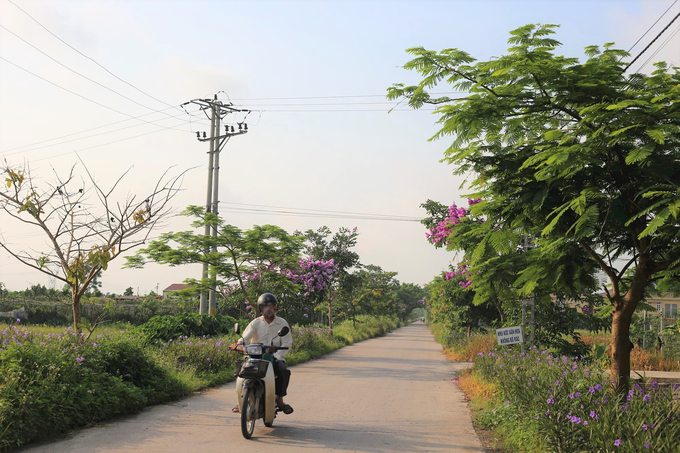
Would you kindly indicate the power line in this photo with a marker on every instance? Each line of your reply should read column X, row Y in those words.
column 330, row 97
column 91, row 59
column 76, row 72
column 81, row 96
column 657, row 21
column 100, row 145
column 659, row 49
column 653, row 41
column 346, row 110
column 76, row 133
column 317, row 213
column 88, row 136
column 318, row 210
column 301, row 214
column 326, row 103
column 95, row 128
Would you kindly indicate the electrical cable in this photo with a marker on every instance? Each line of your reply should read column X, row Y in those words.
column 83, row 138
column 677, row 29
column 100, row 145
column 652, row 42
column 395, row 103
column 347, row 110
column 318, row 215
column 83, row 97
column 331, row 97
column 77, row 73
column 91, row 59
column 76, row 133
column 411, row 218
column 657, row 21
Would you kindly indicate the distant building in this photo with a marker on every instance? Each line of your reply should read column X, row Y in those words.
column 18, row 313
column 666, row 304
column 172, row 289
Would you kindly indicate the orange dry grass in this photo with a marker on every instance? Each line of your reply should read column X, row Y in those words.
column 474, row 388
column 594, row 338
column 467, row 349
column 640, row 360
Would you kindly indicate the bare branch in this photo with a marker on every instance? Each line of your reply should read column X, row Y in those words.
column 83, row 237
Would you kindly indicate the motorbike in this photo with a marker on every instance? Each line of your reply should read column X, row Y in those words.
column 255, row 388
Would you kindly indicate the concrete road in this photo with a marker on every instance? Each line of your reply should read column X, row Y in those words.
column 389, row 394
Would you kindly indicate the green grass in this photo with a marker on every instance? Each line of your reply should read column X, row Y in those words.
column 108, row 329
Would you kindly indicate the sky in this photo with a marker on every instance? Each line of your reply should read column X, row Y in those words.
column 322, row 145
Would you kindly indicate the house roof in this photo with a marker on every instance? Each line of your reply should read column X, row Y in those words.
column 176, row 287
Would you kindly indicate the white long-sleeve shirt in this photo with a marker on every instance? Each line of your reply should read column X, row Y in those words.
column 260, row 331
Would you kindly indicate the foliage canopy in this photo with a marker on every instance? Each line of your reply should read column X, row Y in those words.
column 579, row 155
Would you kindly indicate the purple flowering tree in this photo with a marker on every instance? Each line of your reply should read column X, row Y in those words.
column 324, row 245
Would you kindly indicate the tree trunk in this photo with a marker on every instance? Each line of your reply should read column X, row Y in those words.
column 330, row 316
column 330, row 311
column 75, row 302
column 621, row 347
column 499, row 306
column 624, row 307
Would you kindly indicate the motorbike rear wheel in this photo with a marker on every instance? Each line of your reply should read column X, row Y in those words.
column 248, row 413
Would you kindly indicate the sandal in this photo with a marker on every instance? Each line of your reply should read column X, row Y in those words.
column 235, row 409
column 286, row 409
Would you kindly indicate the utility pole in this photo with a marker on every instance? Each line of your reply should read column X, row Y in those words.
column 216, row 111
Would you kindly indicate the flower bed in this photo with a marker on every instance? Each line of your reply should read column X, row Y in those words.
column 573, row 407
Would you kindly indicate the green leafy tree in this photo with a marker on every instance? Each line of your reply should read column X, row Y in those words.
column 451, row 304
column 496, row 256
column 247, row 262
column 580, row 155
column 85, row 225
column 377, row 292
column 129, row 291
column 411, row 296
column 325, row 245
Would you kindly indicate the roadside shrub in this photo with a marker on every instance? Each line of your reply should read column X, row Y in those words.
column 467, row 348
column 200, row 355
column 164, row 328
column 44, row 393
column 576, row 408
column 56, row 382
column 366, row 327
column 310, row 342
column 128, row 361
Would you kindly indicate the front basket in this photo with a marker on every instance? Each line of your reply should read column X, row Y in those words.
column 252, row 370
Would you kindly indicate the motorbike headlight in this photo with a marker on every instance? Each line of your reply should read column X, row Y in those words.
column 254, row 349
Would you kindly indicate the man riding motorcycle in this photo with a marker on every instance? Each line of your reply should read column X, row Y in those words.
column 263, row 330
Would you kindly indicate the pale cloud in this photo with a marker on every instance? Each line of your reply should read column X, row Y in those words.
column 187, row 79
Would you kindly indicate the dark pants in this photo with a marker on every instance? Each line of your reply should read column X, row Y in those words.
column 282, row 375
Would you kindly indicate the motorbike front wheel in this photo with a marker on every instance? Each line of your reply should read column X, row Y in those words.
column 248, row 413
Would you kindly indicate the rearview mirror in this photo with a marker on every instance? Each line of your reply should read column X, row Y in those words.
column 284, row 331
column 237, row 329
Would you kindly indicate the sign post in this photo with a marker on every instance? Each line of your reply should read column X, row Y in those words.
column 509, row 335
